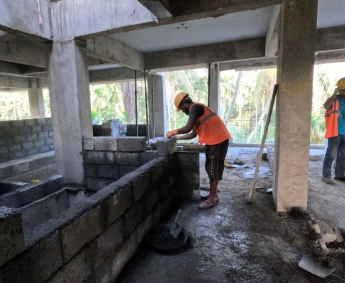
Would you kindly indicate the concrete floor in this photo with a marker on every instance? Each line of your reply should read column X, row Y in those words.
column 238, row 242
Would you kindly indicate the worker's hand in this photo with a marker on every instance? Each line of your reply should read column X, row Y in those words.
column 172, row 133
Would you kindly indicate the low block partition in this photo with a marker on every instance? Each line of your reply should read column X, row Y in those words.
column 93, row 240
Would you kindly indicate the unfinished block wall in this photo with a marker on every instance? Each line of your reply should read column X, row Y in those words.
column 94, row 239
column 21, row 138
column 107, row 159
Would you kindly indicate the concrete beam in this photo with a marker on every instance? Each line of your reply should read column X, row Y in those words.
column 330, row 38
column 114, row 51
column 217, row 52
column 22, row 17
column 250, row 64
column 272, row 33
column 12, row 69
column 91, row 18
column 14, row 82
column 21, row 52
column 112, row 75
column 157, row 8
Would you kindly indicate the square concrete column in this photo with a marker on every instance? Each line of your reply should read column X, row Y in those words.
column 294, row 102
column 36, row 100
column 70, row 105
column 158, row 118
column 215, row 88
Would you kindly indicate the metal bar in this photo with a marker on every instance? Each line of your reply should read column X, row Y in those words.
column 147, row 112
column 153, row 110
column 136, row 102
column 209, row 84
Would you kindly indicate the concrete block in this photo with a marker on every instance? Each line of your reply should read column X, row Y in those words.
column 33, row 151
column 24, row 130
column 51, row 134
column 41, row 121
column 3, row 149
column 42, row 135
column 31, row 137
column 94, row 157
column 53, row 184
column 19, row 154
column 4, row 157
column 43, row 148
column 47, row 128
column 132, row 144
column 127, row 159
column 105, row 143
column 20, row 138
column 36, row 129
column 36, row 264
column 21, row 168
column 109, row 158
column 157, row 173
column 179, row 148
column 11, row 234
column 27, row 145
column 14, row 147
column 134, row 216
column 141, row 185
column 37, row 163
column 39, row 142
column 6, row 172
column 17, row 124
column 90, row 170
column 108, row 171
column 124, row 170
column 51, row 147
column 81, row 231
column 10, row 132
column 49, row 141
column 89, row 143
column 30, row 122
column 96, row 184
column 5, row 124
column 49, row 121
column 6, row 140
column 166, row 146
column 147, row 156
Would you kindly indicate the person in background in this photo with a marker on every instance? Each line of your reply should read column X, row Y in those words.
column 207, row 125
column 335, row 133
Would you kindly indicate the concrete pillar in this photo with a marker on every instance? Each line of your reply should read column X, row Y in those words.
column 158, row 128
column 36, row 100
column 294, row 101
column 70, row 105
column 215, row 88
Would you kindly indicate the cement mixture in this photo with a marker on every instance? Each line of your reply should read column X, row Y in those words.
column 240, row 242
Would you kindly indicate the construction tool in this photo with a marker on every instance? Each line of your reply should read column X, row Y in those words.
column 176, row 229
column 258, row 162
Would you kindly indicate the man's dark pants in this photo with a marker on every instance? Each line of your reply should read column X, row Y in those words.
column 335, row 149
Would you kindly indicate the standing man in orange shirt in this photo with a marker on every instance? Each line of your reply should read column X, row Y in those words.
column 206, row 124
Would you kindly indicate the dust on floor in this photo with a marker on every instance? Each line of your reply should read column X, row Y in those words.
column 236, row 241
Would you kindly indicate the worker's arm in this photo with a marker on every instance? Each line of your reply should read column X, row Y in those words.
column 190, row 136
column 184, row 130
column 329, row 102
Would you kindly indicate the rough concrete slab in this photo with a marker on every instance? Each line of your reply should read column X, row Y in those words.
column 132, row 144
column 93, row 157
column 11, row 231
column 89, row 143
column 166, row 146
column 105, row 143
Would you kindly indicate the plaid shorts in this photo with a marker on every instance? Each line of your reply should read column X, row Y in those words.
column 215, row 157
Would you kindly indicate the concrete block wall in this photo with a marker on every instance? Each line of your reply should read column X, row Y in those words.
column 94, row 239
column 21, row 138
column 107, row 159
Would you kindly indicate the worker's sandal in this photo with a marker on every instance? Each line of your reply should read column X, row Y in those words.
column 328, row 180
column 338, row 178
column 207, row 205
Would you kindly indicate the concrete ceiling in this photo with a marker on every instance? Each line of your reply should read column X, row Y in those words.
column 248, row 24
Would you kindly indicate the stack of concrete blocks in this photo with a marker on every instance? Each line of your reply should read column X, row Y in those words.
column 132, row 130
column 94, row 239
column 107, row 159
column 270, row 157
column 12, row 169
column 114, row 128
column 23, row 138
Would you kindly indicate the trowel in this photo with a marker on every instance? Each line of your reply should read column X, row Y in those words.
column 317, row 268
column 176, row 229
